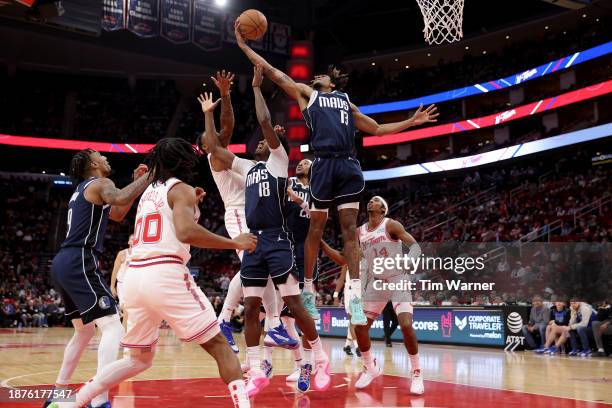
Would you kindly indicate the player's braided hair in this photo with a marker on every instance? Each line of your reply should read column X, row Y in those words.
column 172, row 157
column 337, row 77
column 79, row 163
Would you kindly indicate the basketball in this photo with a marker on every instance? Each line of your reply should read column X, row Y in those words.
column 253, row 24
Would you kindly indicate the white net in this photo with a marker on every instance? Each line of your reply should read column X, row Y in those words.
column 443, row 20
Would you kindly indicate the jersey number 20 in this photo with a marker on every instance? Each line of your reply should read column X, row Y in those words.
column 151, row 232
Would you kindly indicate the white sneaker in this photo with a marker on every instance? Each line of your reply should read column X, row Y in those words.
column 417, row 387
column 321, row 378
column 367, row 376
column 294, row 376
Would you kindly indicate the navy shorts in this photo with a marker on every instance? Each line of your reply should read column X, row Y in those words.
column 299, row 263
column 84, row 290
column 273, row 257
column 335, row 181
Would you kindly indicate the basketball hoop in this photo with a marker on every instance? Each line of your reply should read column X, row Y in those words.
column 443, row 20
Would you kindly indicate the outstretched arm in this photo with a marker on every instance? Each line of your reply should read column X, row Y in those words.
column 368, row 125
column 261, row 109
column 223, row 81
column 297, row 91
column 220, row 154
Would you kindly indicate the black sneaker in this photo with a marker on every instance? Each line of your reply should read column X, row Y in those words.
column 598, row 354
column 358, row 352
column 347, row 350
column 389, row 344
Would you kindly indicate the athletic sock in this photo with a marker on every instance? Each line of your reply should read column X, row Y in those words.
column 308, row 286
column 308, row 354
column 414, row 361
column 368, row 359
column 108, row 349
column 238, row 393
column 356, row 288
column 254, row 358
column 232, row 299
column 317, row 348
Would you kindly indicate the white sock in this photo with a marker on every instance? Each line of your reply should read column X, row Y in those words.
column 414, row 361
column 238, row 393
column 115, row 373
column 349, row 338
column 317, row 348
column 232, row 299
column 270, row 305
column 368, row 359
column 308, row 354
column 308, row 286
column 356, row 288
column 268, row 353
column 254, row 358
column 108, row 349
column 74, row 349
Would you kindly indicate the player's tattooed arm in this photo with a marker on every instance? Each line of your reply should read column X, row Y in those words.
column 297, row 91
column 223, row 81
column 368, row 125
column 261, row 110
column 183, row 200
column 221, row 157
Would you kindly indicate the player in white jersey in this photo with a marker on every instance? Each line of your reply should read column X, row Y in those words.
column 231, row 187
column 383, row 237
column 158, row 285
column 118, row 275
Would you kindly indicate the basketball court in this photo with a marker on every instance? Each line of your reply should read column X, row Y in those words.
column 184, row 376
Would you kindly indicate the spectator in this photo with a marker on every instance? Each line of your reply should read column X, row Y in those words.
column 580, row 324
column 557, row 329
column 602, row 326
column 538, row 322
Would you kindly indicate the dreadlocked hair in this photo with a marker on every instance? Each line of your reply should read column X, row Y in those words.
column 79, row 163
column 172, row 157
column 337, row 77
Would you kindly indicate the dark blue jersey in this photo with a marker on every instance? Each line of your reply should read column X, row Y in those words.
column 265, row 198
column 298, row 220
column 86, row 221
column 330, row 119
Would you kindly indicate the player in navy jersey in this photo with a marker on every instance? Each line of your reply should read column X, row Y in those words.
column 88, row 299
column 266, row 214
column 336, row 177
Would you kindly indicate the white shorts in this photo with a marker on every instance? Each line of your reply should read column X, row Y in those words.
column 374, row 309
column 166, row 292
column 235, row 224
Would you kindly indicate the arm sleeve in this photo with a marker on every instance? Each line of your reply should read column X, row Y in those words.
column 278, row 162
column 241, row 166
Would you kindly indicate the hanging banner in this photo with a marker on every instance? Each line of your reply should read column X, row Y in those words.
column 207, row 25
column 175, row 21
column 279, row 37
column 113, row 15
column 143, row 17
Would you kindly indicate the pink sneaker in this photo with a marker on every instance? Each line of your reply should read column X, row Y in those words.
column 321, row 377
column 257, row 382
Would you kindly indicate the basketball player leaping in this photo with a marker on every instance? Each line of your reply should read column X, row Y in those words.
column 89, row 301
column 336, row 176
column 266, row 196
column 158, row 285
column 231, row 188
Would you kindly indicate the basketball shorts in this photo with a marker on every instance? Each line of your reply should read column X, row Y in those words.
column 165, row 292
column 82, row 286
column 273, row 258
column 335, row 181
column 235, row 224
column 375, row 299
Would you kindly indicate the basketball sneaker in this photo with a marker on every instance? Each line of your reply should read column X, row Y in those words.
column 585, row 353
column 303, row 383
column 226, row 329
column 552, row 350
column 257, row 382
column 278, row 337
column 574, row 352
column 107, row 404
column 417, row 387
column 542, row 350
column 367, row 376
column 308, row 299
column 294, row 376
column 347, row 350
column 357, row 316
column 266, row 367
column 321, row 377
